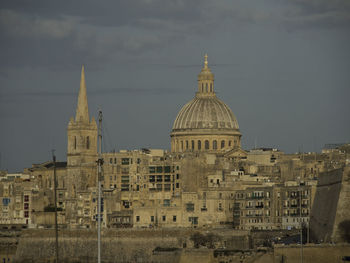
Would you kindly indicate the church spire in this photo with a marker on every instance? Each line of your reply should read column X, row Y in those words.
column 82, row 113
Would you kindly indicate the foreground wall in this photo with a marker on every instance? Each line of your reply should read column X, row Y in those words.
column 322, row 253
column 125, row 245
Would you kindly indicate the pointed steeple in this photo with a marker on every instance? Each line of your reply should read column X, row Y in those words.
column 82, row 113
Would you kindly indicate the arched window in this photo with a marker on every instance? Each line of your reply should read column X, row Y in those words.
column 87, row 142
column 222, row 144
column 206, row 87
column 215, row 145
column 192, row 142
column 230, row 143
column 199, row 145
column 182, row 146
column 75, row 142
column 186, row 145
column 211, row 87
column 206, row 144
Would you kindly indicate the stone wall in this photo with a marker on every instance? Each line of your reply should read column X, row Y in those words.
column 343, row 211
column 124, row 245
column 324, row 253
column 325, row 205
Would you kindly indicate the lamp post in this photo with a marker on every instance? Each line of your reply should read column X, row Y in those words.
column 301, row 225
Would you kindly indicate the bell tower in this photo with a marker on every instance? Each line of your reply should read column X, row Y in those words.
column 82, row 146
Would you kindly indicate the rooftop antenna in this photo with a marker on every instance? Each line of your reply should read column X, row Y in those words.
column 255, row 142
column 99, row 178
column 55, row 200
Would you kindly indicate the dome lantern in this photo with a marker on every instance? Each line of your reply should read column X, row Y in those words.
column 205, row 81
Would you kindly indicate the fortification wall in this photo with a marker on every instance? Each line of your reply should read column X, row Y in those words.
column 343, row 211
column 123, row 245
column 324, row 253
column 325, row 205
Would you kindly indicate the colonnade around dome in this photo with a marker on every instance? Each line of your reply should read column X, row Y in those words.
column 204, row 143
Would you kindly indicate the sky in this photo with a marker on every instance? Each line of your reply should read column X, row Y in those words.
column 283, row 67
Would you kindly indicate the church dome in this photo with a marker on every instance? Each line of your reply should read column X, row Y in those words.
column 205, row 113
column 205, row 123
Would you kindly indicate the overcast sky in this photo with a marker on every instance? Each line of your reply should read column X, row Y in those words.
column 283, row 67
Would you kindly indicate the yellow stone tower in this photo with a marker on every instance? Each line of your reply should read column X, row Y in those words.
column 82, row 146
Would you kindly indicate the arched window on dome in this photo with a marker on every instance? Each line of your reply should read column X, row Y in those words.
column 222, row 144
column 211, row 87
column 199, row 145
column 206, row 144
column 202, row 87
column 215, row 145
column 192, row 144
column 186, row 145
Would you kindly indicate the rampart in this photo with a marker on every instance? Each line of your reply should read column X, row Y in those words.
column 124, row 245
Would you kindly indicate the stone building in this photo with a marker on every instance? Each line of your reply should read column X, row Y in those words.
column 205, row 181
column 205, row 123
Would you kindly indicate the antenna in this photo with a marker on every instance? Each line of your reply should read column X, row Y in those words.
column 256, row 142
column 55, row 200
column 99, row 178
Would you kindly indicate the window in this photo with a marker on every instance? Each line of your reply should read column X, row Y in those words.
column 26, row 213
column 177, row 176
column 166, row 202
column 215, row 145
column 189, row 207
column 220, row 207
column 174, row 218
column 211, row 87
column 167, row 178
column 152, row 169
column 164, row 218
column 137, row 218
column 159, row 178
column 159, row 169
column 152, row 218
column 26, row 198
column 186, row 145
column 110, row 160
column 125, row 161
column 182, row 145
column 167, row 187
column 206, row 87
column 26, row 206
column 199, row 144
column 166, row 169
column 87, row 142
column 152, row 178
column 115, row 160
column 177, row 185
column 222, row 144
column 206, row 143
column 193, row 220
column 75, row 142
column 230, row 143
column 192, row 145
